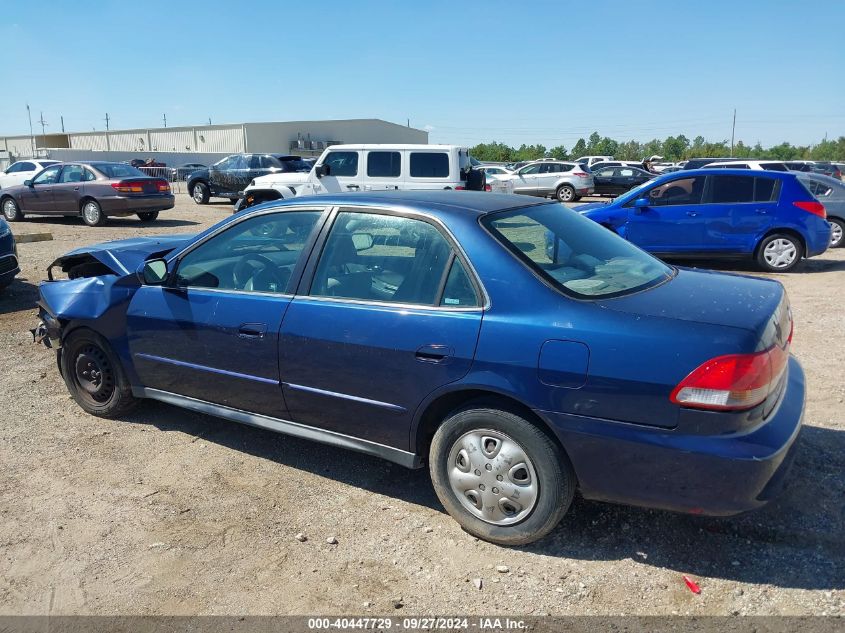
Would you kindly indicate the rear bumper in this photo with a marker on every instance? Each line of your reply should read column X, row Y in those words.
column 125, row 205
column 819, row 240
column 714, row 475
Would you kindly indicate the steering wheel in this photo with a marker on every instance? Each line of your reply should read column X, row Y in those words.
column 261, row 277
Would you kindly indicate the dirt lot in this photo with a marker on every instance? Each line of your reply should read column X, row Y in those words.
column 171, row 512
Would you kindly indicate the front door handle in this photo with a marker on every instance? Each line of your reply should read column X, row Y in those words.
column 353, row 187
column 762, row 211
column 692, row 214
column 434, row 353
column 252, row 330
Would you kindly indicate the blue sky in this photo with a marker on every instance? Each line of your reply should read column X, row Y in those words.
column 533, row 72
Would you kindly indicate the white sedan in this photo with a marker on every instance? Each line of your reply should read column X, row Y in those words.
column 19, row 172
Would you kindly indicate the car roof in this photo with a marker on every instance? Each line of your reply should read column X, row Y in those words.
column 440, row 202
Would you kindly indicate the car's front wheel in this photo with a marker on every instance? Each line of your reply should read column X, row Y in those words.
column 11, row 210
column 94, row 376
column 837, row 232
column 92, row 213
column 565, row 193
column 148, row 216
column 499, row 476
column 780, row 253
column 200, row 193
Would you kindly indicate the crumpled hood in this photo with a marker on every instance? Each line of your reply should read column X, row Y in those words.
column 123, row 257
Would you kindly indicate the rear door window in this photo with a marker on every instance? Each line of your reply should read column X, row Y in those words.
column 384, row 164
column 429, row 165
column 766, row 189
column 72, row 173
column 731, row 189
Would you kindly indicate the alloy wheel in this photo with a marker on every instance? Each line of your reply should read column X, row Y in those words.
column 836, row 234
column 91, row 212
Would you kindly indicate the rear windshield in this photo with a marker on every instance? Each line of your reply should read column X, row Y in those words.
column 574, row 254
column 118, row 170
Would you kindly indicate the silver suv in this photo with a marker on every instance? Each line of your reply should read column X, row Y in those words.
column 564, row 180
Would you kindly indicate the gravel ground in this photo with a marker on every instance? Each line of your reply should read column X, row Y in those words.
column 171, row 512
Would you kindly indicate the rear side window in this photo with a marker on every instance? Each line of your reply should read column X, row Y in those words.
column 429, row 164
column 766, row 189
column 726, row 189
column 384, row 164
column 458, row 290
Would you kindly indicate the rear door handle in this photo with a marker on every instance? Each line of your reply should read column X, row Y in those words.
column 762, row 211
column 692, row 214
column 434, row 353
column 252, row 330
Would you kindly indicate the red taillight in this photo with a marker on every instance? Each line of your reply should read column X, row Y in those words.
column 733, row 382
column 581, row 174
column 128, row 187
column 163, row 186
column 460, row 188
column 488, row 188
column 812, row 206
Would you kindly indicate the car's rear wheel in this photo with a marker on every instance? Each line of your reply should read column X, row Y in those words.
column 92, row 213
column 148, row 216
column 837, row 232
column 499, row 476
column 94, row 376
column 200, row 193
column 780, row 253
column 565, row 193
column 11, row 210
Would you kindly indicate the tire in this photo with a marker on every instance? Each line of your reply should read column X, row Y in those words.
column 545, row 469
column 837, row 233
column 11, row 210
column 779, row 253
column 200, row 193
column 566, row 193
column 92, row 213
column 148, row 216
column 94, row 376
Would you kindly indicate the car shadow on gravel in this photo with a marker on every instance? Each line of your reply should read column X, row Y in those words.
column 20, row 295
column 798, row 541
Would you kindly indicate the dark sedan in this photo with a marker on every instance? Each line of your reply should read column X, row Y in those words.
column 435, row 328
column 8, row 255
column 91, row 190
column 614, row 181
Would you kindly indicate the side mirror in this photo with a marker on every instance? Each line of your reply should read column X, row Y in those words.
column 27, row 183
column 154, row 272
column 362, row 241
column 640, row 204
column 322, row 170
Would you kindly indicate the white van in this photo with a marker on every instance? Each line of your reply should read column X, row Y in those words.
column 383, row 167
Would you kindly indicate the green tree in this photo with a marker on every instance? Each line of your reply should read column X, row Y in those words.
column 559, row 152
column 593, row 143
column 580, row 148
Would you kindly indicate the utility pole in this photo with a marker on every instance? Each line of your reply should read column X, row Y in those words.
column 409, row 122
column 164, row 116
column 107, row 121
column 63, row 123
column 43, row 124
column 31, row 135
column 209, row 120
column 108, row 143
column 733, row 131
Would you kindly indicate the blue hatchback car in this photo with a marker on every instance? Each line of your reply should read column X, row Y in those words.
column 437, row 328
column 733, row 213
column 8, row 255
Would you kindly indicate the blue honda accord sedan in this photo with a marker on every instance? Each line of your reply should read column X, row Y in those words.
column 437, row 328
column 8, row 255
column 769, row 216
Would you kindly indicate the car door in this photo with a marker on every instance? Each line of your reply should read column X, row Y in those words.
column 737, row 210
column 38, row 197
column 603, row 179
column 672, row 220
column 383, row 170
column 625, row 179
column 68, row 190
column 16, row 174
column 525, row 179
column 547, row 178
column 389, row 315
column 343, row 173
column 212, row 331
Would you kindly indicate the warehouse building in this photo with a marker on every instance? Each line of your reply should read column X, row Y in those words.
column 206, row 143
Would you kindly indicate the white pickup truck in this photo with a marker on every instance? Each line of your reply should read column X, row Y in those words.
column 385, row 167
